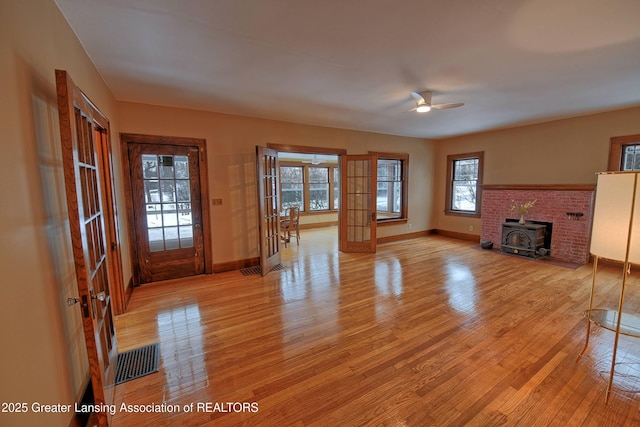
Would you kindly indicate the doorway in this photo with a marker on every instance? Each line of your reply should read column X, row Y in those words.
column 169, row 222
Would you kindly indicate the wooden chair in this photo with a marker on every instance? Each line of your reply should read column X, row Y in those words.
column 290, row 224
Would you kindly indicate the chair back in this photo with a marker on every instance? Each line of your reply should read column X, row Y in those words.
column 294, row 213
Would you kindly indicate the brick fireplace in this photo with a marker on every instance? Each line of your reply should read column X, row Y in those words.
column 568, row 207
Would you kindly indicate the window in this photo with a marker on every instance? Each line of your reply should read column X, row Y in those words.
column 624, row 153
column 312, row 188
column 318, row 189
column 631, row 158
column 464, row 179
column 292, row 184
column 391, row 194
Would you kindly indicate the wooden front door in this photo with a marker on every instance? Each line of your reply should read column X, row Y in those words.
column 167, row 209
column 80, row 123
column 358, row 203
column 267, row 174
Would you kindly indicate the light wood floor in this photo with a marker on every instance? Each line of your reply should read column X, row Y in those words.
column 427, row 332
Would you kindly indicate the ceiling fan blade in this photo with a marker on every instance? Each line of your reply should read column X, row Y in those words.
column 418, row 98
column 447, row 106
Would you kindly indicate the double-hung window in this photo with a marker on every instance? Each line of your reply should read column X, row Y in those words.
column 464, row 180
column 624, row 153
column 392, row 190
column 318, row 188
column 631, row 157
column 292, row 185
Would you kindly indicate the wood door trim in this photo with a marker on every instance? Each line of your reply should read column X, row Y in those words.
column 118, row 294
column 288, row 148
column 201, row 143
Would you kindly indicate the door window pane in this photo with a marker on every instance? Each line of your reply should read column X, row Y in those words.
column 181, row 164
column 151, row 191
column 171, row 238
column 149, row 166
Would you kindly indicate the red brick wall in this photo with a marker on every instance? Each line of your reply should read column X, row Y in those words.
column 570, row 238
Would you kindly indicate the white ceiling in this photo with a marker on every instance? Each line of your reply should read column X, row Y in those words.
column 352, row 64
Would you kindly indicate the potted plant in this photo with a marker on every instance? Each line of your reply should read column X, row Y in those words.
column 521, row 208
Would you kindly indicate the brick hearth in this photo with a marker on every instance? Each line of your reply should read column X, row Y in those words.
column 570, row 237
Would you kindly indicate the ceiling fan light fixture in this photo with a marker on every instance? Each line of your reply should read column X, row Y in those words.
column 422, row 108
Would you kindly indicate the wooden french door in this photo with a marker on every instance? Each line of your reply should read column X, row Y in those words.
column 80, row 123
column 167, row 210
column 358, row 203
column 267, row 173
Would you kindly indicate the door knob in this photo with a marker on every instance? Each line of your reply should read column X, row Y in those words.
column 85, row 306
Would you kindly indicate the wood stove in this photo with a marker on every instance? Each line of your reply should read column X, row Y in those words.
column 524, row 239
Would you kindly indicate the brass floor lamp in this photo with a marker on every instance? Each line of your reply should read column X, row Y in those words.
column 615, row 236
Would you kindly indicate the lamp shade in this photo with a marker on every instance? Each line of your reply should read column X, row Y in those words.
column 617, row 214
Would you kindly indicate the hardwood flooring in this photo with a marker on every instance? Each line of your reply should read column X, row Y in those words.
column 426, row 332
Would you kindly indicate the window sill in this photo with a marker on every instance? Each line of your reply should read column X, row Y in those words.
column 311, row 213
column 463, row 214
column 391, row 221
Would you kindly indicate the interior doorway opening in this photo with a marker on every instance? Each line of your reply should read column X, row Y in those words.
column 311, row 183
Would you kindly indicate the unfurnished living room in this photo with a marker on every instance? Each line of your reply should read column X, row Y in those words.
column 338, row 213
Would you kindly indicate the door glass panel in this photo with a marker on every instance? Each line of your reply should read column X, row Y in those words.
column 151, row 193
column 168, row 194
column 181, row 164
column 169, row 214
column 183, row 193
column 184, row 213
column 166, row 167
column 171, row 238
column 154, row 216
column 167, row 201
column 186, row 237
column 156, row 240
column 149, row 166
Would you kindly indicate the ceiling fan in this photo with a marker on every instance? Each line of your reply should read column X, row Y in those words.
column 423, row 101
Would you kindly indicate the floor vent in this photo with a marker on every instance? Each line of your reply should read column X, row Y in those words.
column 137, row 363
column 250, row 271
